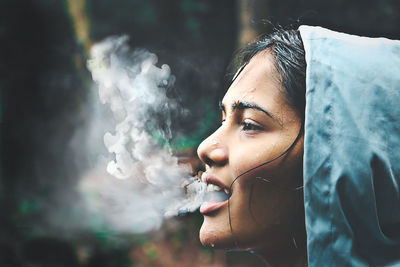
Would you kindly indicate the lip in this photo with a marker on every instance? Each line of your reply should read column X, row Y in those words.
column 210, row 206
column 208, row 178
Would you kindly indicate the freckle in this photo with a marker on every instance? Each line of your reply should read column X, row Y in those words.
column 215, row 143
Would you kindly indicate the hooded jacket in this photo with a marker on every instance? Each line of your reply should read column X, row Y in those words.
column 352, row 149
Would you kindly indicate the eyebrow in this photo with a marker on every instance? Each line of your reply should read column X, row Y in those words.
column 241, row 105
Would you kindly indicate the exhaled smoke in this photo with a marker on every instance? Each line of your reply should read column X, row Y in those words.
column 151, row 184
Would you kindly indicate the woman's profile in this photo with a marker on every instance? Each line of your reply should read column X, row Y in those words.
column 307, row 152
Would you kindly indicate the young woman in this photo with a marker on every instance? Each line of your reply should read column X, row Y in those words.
column 341, row 147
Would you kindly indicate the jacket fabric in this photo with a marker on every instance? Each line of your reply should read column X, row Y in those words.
column 352, row 149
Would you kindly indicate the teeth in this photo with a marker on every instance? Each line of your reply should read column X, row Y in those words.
column 210, row 188
column 213, row 187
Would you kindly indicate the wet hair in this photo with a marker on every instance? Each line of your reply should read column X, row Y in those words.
column 287, row 49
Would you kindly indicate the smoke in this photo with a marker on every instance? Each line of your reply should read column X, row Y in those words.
column 143, row 182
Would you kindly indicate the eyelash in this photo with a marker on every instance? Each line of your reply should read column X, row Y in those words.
column 248, row 126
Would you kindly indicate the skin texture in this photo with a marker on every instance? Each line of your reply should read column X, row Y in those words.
column 265, row 217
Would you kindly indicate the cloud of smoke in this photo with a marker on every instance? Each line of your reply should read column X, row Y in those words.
column 144, row 182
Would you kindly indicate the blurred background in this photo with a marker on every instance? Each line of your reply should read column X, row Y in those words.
column 45, row 99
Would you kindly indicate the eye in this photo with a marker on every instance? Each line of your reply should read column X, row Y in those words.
column 248, row 125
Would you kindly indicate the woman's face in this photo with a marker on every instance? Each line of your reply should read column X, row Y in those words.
column 257, row 125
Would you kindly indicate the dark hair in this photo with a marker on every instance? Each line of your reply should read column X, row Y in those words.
column 287, row 48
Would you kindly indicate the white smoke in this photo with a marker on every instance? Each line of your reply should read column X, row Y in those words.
column 150, row 183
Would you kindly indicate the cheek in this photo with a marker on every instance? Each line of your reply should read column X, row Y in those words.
column 247, row 152
column 262, row 208
column 269, row 205
column 248, row 160
column 261, row 214
column 259, row 200
column 285, row 171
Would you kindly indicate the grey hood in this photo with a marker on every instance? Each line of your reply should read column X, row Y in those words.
column 352, row 149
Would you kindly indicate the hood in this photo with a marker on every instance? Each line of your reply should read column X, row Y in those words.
column 352, row 149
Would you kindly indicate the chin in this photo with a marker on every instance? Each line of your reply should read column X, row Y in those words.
column 216, row 235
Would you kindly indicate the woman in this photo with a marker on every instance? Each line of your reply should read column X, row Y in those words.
column 351, row 175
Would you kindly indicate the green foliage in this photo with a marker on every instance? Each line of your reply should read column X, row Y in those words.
column 189, row 6
column 140, row 239
column 193, row 140
column 386, row 7
column 29, row 206
column 192, row 9
column 107, row 17
column 146, row 12
column 193, row 25
column 184, row 142
column 150, row 250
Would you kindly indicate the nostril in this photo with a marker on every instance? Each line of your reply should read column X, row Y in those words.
column 213, row 156
column 208, row 161
column 212, row 152
column 217, row 156
column 205, row 158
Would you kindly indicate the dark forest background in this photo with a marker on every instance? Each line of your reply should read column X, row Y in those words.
column 45, row 88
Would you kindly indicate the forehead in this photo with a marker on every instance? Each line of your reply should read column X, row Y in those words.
column 258, row 82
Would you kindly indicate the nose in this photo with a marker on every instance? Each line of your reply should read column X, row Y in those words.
column 212, row 151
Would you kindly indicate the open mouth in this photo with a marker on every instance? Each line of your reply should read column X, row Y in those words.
column 216, row 195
